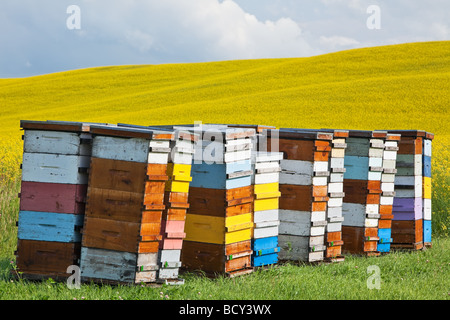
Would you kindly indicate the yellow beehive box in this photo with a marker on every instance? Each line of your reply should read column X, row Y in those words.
column 179, row 177
column 426, row 187
column 266, row 204
column 219, row 230
column 266, row 188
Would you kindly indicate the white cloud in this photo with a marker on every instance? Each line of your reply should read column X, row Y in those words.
column 440, row 31
column 353, row 4
column 201, row 30
column 233, row 33
column 337, row 42
column 115, row 32
column 139, row 40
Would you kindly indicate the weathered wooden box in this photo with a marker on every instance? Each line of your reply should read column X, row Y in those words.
column 266, row 167
column 53, row 197
column 55, row 167
column 46, row 259
column 369, row 155
column 49, row 226
column 221, row 203
column 358, row 240
column 304, row 187
column 108, row 266
column 216, row 259
column 125, row 204
column 412, row 188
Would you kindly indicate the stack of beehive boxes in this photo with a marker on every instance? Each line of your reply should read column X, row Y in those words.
column 410, row 185
column 266, row 167
column 427, row 191
column 176, row 203
column 388, row 193
column 125, row 202
column 336, row 194
column 53, row 190
column 333, row 231
column 266, row 170
column 362, row 186
column 304, row 192
column 219, row 220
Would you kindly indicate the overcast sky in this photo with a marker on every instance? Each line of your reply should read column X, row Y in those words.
column 39, row 37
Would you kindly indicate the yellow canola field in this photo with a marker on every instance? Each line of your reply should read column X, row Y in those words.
column 390, row 87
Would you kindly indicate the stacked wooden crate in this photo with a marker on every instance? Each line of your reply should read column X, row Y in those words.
column 410, row 185
column 175, row 197
column 125, row 201
column 53, row 191
column 362, row 186
column 266, row 168
column 427, row 190
column 260, row 138
column 176, row 203
column 388, row 193
column 333, row 231
column 334, row 240
column 219, row 220
column 304, row 192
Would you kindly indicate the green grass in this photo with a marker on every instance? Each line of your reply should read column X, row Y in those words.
column 404, row 275
column 419, row 275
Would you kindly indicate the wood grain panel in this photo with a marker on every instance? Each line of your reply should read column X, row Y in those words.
column 111, row 234
column 115, row 205
column 117, row 175
column 46, row 257
column 53, row 197
column 296, row 197
column 215, row 258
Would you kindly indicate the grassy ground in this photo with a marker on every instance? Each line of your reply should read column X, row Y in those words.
column 398, row 87
column 419, row 275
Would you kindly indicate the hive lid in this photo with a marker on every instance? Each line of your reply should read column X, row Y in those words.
column 413, row 133
column 305, row 134
column 51, row 125
column 337, row 133
column 124, row 132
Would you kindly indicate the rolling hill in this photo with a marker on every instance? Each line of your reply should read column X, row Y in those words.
column 398, row 87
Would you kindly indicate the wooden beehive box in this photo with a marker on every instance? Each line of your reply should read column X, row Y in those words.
column 56, row 158
column 304, row 192
column 411, row 227
column 334, row 240
column 363, row 191
column 266, row 167
column 176, row 202
column 333, row 231
column 219, row 219
column 265, row 181
column 427, row 189
column 125, row 202
column 387, row 193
